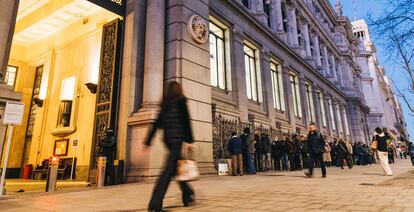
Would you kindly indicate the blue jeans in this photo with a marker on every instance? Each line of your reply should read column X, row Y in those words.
column 250, row 164
column 285, row 162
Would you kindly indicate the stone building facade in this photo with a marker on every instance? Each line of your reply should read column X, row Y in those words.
column 385, row 110
column 272, row 65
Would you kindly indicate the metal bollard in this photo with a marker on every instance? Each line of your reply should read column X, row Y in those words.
column 52, row 173
column 100, row 175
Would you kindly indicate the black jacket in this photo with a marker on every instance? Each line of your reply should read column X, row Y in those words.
column 316, row 143
column 235, row 146
column 381, row 142
column 175, row 120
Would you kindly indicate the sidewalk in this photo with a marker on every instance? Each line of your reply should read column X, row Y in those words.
column 361, row 188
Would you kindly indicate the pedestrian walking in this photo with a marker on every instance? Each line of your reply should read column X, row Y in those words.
column 235, row 150
column 174, row 119
column 316, row 147
column 381, row 146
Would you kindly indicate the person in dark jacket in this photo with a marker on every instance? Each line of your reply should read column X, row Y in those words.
column 291, row 154
column 284, row 153
column 304, row 152
column 245, row 145
column 316, row 147
column 297, row 159
column 235, row 150
column 382, row 148
column 175, row 120
column 107, row 149
column 276, row 154
column 343, row 154
column 411, row 152
column 258, row 146
column 266, row 149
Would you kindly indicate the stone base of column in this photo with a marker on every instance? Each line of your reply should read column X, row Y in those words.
column 282, row 35
column 310, row 61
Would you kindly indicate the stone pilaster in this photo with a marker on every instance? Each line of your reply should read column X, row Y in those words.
column 257, row 8
column 316, row 103
column 333, row 62
column 288, row 95
column 240, row 74
column 317, row 50
column 305, row 34
column 325, row 61
column 340, row 73
column 8, row 11
column 304, row 101
column 267, row 86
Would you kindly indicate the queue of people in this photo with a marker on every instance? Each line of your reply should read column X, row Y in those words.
column 259, row 153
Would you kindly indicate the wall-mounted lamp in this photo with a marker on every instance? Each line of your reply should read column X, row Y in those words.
column 38, row 102
column 92, row 87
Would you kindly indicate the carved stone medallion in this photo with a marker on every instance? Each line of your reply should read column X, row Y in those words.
column 198, row 29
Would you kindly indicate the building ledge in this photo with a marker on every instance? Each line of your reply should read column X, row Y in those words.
column 63, row 131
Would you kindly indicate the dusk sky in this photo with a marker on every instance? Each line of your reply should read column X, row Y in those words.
column 376, row 7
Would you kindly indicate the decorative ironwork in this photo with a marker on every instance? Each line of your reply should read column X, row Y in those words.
column 224, row 125
column 108, row 84
column 33, row 105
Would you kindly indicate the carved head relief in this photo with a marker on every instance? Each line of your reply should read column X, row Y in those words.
column 198, row 29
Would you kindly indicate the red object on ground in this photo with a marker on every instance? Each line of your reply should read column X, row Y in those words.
column 27, row 171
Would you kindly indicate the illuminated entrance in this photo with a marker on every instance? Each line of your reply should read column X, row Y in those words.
column 65, row 60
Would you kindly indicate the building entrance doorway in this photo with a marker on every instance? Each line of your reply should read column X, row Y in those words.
column 65, row 60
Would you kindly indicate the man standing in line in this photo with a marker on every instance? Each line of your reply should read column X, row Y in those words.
column 244, row 139
column 316, row 147
column 235, row 150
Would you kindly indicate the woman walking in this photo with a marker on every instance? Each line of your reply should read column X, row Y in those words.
column 343, row 154
column 382, row 148
column 174, row 119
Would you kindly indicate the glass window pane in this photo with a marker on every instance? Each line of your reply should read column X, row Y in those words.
column 216, row 30
column 213, row 60
column 254, row 79
column 10, row 76
column 221, row 64
column 248, row 79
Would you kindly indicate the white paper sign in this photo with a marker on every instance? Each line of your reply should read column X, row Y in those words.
column 75, row 143
column 14, row 113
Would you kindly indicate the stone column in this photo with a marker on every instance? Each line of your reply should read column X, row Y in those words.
column 154, row 55
column 288, row 95
column 340, row 78
column 257, row 8
column 325, row 60
column 335, row 76
column 305, row 33
column 8, row 11
column 317, row 49
column 276, row 16
column 293, row 30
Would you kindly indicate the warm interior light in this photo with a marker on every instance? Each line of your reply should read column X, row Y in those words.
column 68, row 88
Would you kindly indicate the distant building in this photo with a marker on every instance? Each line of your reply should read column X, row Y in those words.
column 272, row 65
column 385, row 110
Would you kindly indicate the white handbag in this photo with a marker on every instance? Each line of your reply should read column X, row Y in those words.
column 187, row 169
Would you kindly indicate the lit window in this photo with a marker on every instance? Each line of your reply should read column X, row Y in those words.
column 277, row 86
column 66, row 98
column 338, row 114
column 294, row 83
column 252, row 74
column 217, row 57
column 331, row 114
column 11, row 73
column 321, row 103
column 309, row 99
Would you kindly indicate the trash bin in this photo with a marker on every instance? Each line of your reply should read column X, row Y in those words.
column 27, row 171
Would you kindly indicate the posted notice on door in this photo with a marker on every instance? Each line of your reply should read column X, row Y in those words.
column 13, row 114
